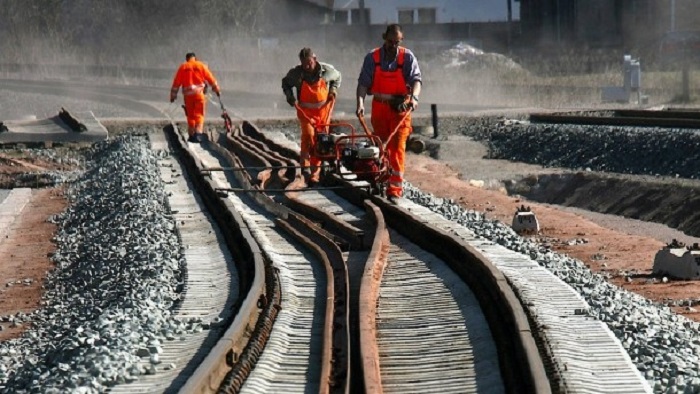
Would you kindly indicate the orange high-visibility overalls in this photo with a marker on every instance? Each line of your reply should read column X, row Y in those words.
column 313, row 98
column 192, row 76
column 385, row 118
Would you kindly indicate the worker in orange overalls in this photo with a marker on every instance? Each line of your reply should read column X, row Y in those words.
column 316, row 83
column 391, row 74
column 193, row 76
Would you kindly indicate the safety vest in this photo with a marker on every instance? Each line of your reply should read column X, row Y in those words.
column 313, row 95
column 191, row 76
column 389, row 82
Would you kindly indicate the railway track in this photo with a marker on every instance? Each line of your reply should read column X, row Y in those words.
column 334, row 290
column 372, row 297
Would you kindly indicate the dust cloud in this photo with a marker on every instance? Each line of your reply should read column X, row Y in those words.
column 538, row 60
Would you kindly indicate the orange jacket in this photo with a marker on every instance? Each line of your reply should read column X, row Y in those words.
column 192, row 76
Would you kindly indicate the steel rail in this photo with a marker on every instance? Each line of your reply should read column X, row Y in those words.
column 336, row 353
column 521, row 363
column 284, row 175
column 661, row 114
column 335, row 374
column 249, row 155
column 247, row 333
column 636, row 121
column 369, row 293
column 288, row 191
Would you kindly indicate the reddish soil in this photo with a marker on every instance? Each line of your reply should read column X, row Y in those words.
column 15, row 165
column 606, row 250
column 25, row 252
column 26, row 249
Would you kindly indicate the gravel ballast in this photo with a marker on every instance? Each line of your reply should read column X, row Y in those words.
column 109, row 301
column 664, row 346
column 118, row 265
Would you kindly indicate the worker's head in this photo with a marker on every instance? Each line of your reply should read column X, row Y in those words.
column 189, row 55
column 308, row 59
column 392, row 37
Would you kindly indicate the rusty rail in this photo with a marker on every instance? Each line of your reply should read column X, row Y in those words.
column 369, row 293
column 257, row 309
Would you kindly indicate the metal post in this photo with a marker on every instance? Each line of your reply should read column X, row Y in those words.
column 685, row 96
column 558, row 23
column 510, row 23
column 433, row 110
column 362, row 12
column 673, row 15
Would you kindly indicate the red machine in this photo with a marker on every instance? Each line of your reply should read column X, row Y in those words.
column 351, row 155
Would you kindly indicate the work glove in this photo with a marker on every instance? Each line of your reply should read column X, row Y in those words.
column 173, row 97
column 291, row 100
column 409, row 105
column 332, row 94
column 397, row 102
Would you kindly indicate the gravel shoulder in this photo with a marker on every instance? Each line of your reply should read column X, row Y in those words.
column 621, row 248
column 26, row 258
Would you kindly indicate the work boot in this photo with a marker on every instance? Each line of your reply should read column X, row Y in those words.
column 192, row 139
column 201, row 137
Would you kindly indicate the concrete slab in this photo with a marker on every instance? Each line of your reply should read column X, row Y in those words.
column 53, row 129
column 11, row 207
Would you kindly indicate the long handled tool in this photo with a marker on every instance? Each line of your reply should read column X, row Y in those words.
column 169, row 111
column 228, row 123
column 369, row 133
column 321, row 144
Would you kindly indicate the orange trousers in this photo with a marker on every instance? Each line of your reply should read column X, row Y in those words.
column 195, row 109
column 384, row 121
column 309, row 161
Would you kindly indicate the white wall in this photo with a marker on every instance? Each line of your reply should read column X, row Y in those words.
column 447, row 11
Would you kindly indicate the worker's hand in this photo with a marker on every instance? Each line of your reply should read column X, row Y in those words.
column 360, row 112
column 414, row 103
column 408, row 105
column 218, row 93
column 331, row 95
column 291, row 101
column 173, row 97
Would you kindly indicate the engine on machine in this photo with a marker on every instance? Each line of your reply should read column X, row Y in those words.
column 362, row 158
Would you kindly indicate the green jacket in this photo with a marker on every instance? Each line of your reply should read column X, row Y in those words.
column 296, row 75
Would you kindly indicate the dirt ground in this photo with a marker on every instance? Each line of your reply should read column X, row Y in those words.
column 26, row 250
column 25, row 257
column 602, row 249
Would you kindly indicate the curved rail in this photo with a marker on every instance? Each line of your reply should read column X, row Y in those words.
column 335, row 371
column 369, row 293
column 208, row 382
column 335, row 374
column 649, row 119
column 520, row 361
column 237, row 345
column 521, row 364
